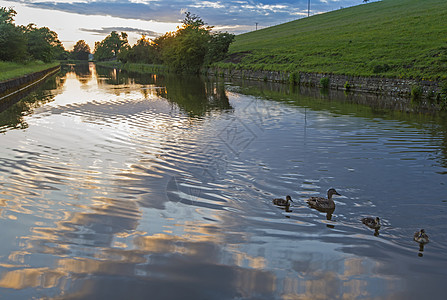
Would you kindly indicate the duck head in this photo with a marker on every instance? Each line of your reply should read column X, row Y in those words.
column 288, row 198
column 332, row 192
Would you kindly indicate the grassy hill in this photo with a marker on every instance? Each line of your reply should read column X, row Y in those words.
column 392, row 38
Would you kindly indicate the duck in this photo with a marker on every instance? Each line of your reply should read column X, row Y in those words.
column 373, row 223
column 282, row 202
column 323, row 203
column 421, row 237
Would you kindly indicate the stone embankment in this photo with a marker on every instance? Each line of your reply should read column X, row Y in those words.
column 375, row 85
column 10, row 87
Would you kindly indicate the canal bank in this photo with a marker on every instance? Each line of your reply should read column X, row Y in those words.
column 374, row 85
column 12, row 87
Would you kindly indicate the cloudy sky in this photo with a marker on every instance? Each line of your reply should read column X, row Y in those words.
column 92, row 20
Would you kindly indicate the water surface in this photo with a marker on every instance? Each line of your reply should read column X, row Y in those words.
column 122, row 186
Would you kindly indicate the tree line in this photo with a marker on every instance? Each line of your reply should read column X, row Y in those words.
column 21, row 43
column 186, row 50
column 27, row 43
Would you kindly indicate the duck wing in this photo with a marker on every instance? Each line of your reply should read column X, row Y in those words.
column 319, row 202
column 312, row 201
column 279, row 201
column 371, row 223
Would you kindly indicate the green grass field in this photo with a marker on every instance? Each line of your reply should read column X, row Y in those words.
column 391, row 38
column 10, row 70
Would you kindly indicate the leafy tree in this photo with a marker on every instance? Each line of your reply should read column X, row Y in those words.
column 218, row 46
column 185, row 50
column 20, row 43
column 111, row 46
column 12, row 39
column 81, row 50
column 7, row 15
column 142, row 52
column 160, row 43
column 188, row 46
column 42, row 43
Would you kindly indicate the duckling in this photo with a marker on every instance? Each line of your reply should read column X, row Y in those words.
column 373, row 223
column 323, row 203
column 421, row 237
column 282, row 202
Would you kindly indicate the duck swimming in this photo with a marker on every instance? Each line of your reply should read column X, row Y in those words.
column 282, row 202
column 421, row 237
column 373, row 223
column 323, row 203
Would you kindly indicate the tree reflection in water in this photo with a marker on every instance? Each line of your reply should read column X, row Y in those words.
column 130, row 192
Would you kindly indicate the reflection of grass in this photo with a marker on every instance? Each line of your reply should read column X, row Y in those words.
column 10, row 70
column 393, row 38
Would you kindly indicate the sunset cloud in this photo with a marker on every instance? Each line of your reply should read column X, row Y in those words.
column 96, row 18
column 221, row 12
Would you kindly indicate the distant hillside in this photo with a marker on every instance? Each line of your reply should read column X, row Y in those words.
column 394, row 38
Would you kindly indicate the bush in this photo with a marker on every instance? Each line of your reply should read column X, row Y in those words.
column 324, row 82
column 444, row 87
column 294, row 78
column 381, row 68
column 347, row 86
column 416, row 92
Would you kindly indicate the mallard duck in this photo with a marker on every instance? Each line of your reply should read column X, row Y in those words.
column 282, row 202
column 371, row 222
column 323, row 203
column 421, row 237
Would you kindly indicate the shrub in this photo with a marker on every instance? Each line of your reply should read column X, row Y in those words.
column 294, row 78
column 416, row 92
column 444, row 87
column 324, row 82
column 442, row 96
column 347, row 86
column 381, row 68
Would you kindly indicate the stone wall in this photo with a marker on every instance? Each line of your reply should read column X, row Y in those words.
column 376, row 85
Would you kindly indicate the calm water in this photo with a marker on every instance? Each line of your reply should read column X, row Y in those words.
column 121, row 187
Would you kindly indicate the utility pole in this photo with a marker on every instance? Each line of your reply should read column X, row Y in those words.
column 308, row 8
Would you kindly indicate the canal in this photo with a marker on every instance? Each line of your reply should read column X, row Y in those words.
column 122, row 186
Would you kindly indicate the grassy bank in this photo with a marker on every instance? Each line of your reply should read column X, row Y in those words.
column 10, row 70
column 391, row 38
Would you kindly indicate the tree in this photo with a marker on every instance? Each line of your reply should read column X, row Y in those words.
column 12, row 39
column 42, row 43
column 185, row 50
column 111, row 46
column 142, row 52
column 20, row 43
column 188, row 46
column 81, row 50
column 218, row 46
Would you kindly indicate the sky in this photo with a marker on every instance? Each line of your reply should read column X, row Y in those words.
column 93, row 20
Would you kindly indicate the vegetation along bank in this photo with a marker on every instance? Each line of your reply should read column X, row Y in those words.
column 390, row 46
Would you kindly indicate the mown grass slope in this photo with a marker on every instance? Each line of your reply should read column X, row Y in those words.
column 10, row 70
column 393, row 38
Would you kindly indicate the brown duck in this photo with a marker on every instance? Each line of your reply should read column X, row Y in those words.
column 282, row 202
column 321, row 203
